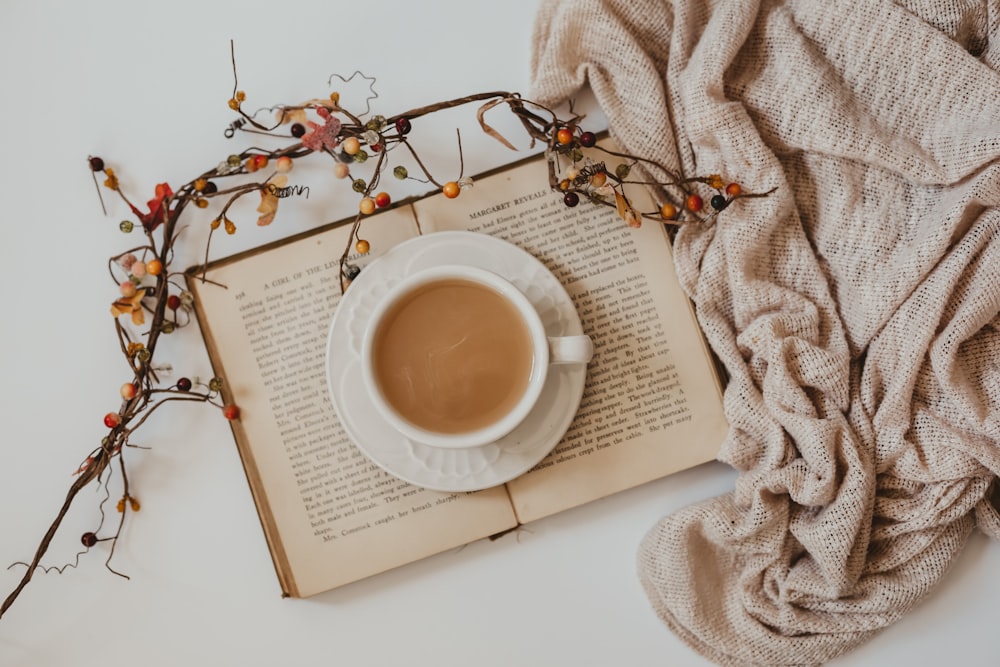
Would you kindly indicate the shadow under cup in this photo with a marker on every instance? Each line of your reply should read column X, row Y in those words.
column 455, row 356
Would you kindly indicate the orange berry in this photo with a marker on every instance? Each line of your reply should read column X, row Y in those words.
column 564, row 136
column 128, row 391
column 694, row 203
column 451, row 189
column 154, row 267
column 362, row 246
column 668, row 211
column 734, row 190
column 231, row 412
column 599, row 179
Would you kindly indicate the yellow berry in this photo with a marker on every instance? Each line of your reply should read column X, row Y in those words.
column 341, row 170
column 367, row 206
column 216, row 223
column 599, row 179
column 201, row 203
column 200, row 184
column 668, row 211
column 240, row 95
column 234, row 104
column 352, row 145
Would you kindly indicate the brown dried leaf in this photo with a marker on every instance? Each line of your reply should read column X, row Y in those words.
column 489, row 130
column 626, row 212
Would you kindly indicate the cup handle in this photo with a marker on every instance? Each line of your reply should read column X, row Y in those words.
column 570, row 349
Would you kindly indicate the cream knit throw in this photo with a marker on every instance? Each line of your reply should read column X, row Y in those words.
column 856, row 309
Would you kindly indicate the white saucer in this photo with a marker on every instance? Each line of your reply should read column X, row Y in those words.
column 435, row 468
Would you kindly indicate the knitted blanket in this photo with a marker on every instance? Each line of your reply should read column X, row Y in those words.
column 855, row 309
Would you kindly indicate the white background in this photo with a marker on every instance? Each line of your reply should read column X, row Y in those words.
column 145, row 86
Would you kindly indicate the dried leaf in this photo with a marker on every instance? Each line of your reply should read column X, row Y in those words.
column 489, row 130
column 269, row 200
column 626, row 212
column 130, row 305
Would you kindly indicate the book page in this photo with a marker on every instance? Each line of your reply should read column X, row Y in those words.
column 329, row 514
column 652, row 403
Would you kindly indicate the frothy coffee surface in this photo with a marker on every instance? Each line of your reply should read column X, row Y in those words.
column 452, row 356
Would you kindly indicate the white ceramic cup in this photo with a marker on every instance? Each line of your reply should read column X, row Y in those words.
column 546, row 351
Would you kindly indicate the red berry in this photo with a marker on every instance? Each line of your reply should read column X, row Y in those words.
column 173, row 302
column 184, row 384
column 403, row 125
column 694, row 203
column 231, row 412
column 383, row 199
column 298, row 130
column 588, row 139
column 88, row 539
column 96, row 164
column 571, row 199
column 111, row 420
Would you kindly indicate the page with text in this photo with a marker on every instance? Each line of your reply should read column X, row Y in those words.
column 330, row 515
column 652, row 403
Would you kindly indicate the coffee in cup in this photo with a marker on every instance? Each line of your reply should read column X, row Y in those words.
column 456, row 356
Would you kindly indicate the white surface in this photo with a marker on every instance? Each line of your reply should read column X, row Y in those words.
column 145, row 86
column 452, row 468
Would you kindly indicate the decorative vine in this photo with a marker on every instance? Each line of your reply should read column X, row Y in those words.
column 154, row 303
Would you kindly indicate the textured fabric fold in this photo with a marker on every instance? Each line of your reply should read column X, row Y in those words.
column 855, row 310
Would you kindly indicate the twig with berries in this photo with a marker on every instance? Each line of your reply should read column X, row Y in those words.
column 151, row 303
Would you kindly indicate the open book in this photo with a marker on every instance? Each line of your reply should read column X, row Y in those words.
column 651, row 403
